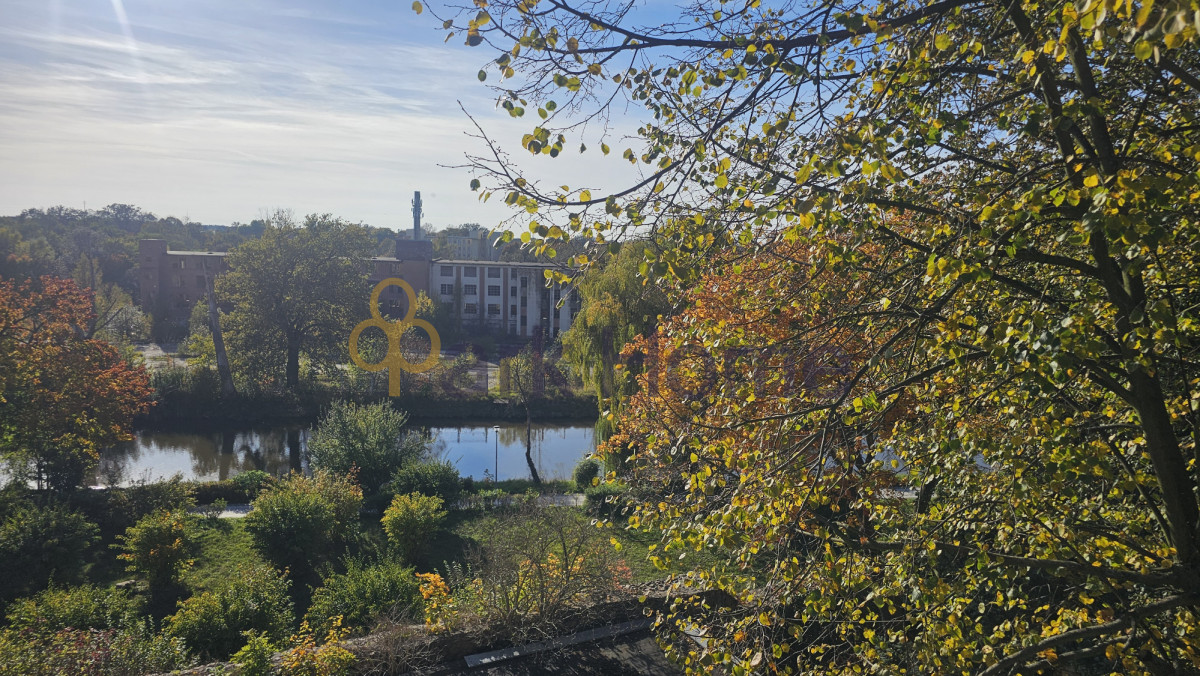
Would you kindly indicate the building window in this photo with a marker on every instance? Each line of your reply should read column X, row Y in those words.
column 470, row 289
column 470, row 309
column 182, row 263
column 524, row 282
column 513, row 292
column 447, row 289
column 493, row 273
column 524, row 320
column 493, row 310
column 447, row 270
column 493, row 289
column 512, row 309
column 524, row 301
column 469, row 272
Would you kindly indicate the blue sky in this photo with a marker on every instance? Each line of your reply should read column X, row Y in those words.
column 223, row 110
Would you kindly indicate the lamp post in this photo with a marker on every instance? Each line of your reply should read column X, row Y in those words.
column 496, row 429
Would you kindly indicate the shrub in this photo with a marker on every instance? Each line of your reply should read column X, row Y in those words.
column 605, row 498
column 542, row 568
column 86, row 607
column 38, row 544
column 160, row 546
column 410, row 521
column 113, row 652
column 254, row 658
column 308, row 658
column 213, row 622
column 587, row 470
column 438, row 479
column 369, row 437
column 126, row 506
column 252, row 482
column 362, row 595
column 302, row 522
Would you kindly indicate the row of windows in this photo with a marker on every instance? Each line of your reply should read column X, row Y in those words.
column 472, row 289
column 492, row 273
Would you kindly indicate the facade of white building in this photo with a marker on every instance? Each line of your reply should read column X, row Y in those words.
column 506, row 297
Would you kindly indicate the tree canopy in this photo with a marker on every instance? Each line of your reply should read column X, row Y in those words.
column 990, row 210
column 63, row 396
column 295, row 291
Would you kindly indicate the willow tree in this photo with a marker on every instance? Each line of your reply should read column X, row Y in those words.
column 1016, row 185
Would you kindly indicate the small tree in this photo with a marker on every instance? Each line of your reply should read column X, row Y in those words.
column 160, row 546
column 214, row 623
column 369, row 437
column 410, row 521
column 38, row 544
column 301, row 522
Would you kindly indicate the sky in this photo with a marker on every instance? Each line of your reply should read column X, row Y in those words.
column 225, row 110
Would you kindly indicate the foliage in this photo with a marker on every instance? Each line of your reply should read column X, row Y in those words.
column 438, row 479
column 160, row 546
column 369, row 437
column 127, row 505
column 295, row 291
column 307, row 658
column 115, row 318
column 213, row 623
column 617, row 305
column 130, row 651
column 64, row 396
column 84, row 607
column 252, row 482
column 40, row 544
column 410, row 521
column 302, row 522
column 363, row 595
column 544, row 566
column 585, row 473
column 606, row 497
column 963, row 232
column 254, row 658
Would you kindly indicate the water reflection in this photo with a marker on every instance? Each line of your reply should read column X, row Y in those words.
column 475, row 449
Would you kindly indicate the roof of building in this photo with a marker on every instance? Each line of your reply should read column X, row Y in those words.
column 196, row 253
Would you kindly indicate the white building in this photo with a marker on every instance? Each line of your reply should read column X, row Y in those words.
column 508, row 297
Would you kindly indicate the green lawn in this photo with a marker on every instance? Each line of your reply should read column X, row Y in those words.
column 224, row 548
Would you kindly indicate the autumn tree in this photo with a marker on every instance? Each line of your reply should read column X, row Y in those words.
column 64, row 396
column 1003, row 198
column 295, row 292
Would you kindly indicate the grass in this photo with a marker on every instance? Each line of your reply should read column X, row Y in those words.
column 225, row 547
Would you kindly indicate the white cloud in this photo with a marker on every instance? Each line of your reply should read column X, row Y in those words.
column 220, row 112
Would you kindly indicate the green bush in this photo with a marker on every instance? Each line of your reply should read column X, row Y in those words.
column 213, row 623
column 439, row 479
column 605, row 498
column 160, row 546
column 369, row 437
column 38, row 544
column 126, row 506
column 254, row 658
column 302, row 522
column 362, row 595
column 130, row 651
column 410, row 521
column 585, row 471
column 252, row 482
column 85, row 607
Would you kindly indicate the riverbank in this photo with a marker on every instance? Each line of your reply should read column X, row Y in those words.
column 175, row 410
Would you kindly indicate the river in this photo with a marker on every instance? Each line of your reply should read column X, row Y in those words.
column 474, row 448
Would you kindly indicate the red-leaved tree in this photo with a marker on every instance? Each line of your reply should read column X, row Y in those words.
column 63, row 396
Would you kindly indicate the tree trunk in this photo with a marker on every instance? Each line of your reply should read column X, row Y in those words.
column 537, row 481
column 293, row 363
column 214, row 323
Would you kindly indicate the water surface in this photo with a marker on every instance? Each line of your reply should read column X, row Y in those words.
column 474, row 448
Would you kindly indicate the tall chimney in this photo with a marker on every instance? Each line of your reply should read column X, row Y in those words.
column 416, row 205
